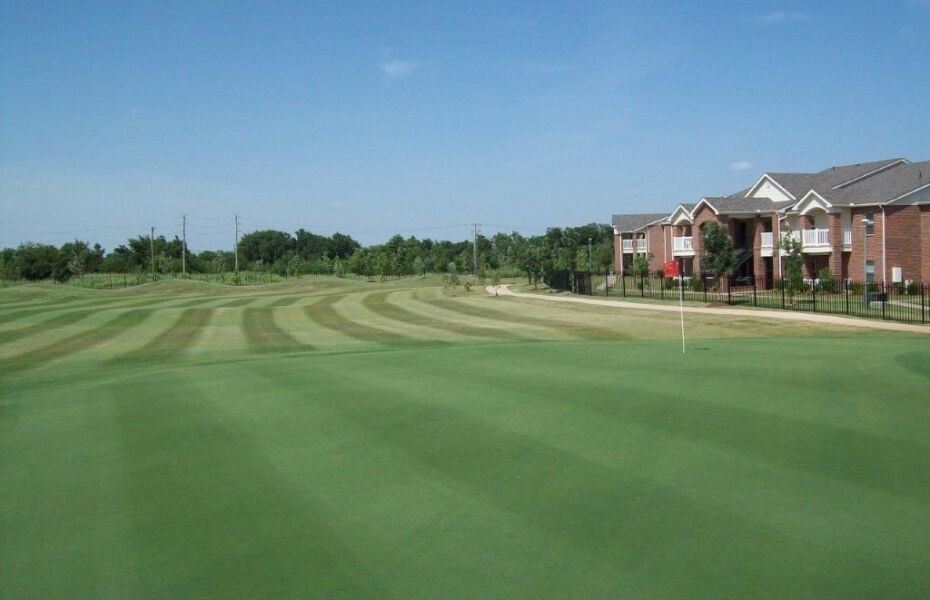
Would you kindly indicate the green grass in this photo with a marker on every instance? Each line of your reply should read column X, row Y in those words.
column 332, row 438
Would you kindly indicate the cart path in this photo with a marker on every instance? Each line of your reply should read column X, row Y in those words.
column 504, row 290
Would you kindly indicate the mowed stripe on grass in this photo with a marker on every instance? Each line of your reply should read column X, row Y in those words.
column 323, row 313
column 264, row 335
column 380, row 303
column 79, row 342
column 570, row 328
column 170, row 343
column 69, row 318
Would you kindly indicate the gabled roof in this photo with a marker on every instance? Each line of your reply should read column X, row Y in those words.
column 812, row 200
column 901, row 185
column 628, row 223
column 736, row 204
column 684, row 207
column 832, row 178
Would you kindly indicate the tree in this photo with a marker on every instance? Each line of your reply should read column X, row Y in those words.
column 495, row 280
column 452, row 276
column 789, row 248
column 41, row 261
column 266, row 246
column 641, row 265
column 419, row 266
column 719, row 255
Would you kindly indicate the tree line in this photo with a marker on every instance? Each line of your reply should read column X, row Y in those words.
column 586, row 247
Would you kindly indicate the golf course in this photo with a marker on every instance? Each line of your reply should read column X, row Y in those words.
column 340, row 438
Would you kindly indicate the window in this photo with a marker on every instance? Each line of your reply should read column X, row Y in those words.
column 870, row 228
column 870, row 271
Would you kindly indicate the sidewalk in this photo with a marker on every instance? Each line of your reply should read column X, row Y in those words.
column 787, row 315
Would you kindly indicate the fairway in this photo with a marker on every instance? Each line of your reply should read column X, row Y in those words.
column 338, row 438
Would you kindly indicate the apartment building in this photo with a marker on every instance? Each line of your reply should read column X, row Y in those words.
column 865, row 222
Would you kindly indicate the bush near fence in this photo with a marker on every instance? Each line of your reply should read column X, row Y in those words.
column 907, row 302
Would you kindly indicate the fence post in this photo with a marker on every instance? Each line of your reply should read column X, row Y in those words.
column 884, row 298
column 923, row 302
column 814, row 294
column 754, row 299
column 783, row 293
column 729, row 289
column 662, row 288
column 846, row 288
column 623, row 284
column 642, row 286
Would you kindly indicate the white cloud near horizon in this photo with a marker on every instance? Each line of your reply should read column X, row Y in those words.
column 741, row 165
column 780, row 16
column 394, row 69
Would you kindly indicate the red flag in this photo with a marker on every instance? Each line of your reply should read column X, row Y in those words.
column 671, row 268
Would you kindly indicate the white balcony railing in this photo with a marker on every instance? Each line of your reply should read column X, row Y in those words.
column 641, row 246
column 847, row 237
column 811, row 238
column 768, row 240
column 683, row 244
column 627, row 245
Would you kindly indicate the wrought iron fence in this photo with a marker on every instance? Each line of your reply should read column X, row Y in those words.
column 906, row 302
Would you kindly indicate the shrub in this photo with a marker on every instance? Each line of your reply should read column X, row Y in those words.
column 825, row 281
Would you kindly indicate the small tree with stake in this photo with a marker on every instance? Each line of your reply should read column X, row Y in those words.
column 719, row 256
column 793, row 264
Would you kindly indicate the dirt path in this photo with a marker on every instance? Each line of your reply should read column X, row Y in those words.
column 787, row 315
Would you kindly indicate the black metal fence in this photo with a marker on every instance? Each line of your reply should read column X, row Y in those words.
column 903, row 302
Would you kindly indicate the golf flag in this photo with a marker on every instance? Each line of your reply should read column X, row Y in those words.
column 671, row 268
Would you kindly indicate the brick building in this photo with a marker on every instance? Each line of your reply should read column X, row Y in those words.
column 868, row 221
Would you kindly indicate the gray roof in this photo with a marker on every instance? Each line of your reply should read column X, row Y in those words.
column 798, row 184
column 735, row 204
column 886, row 186
column 626, row 223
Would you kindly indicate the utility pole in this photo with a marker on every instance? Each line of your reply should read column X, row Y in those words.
column 475, row 248
column 237, row 249
column 184, row 245
column 152, row 250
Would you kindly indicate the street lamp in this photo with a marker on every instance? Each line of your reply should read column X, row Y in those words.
column 866, row 223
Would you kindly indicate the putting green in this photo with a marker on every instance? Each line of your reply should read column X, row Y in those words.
column 335, row 438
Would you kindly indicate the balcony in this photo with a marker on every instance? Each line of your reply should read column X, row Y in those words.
column 847, row 238
column 639, row 245
column 768, row 239
column 683, row 245
column 815, row 238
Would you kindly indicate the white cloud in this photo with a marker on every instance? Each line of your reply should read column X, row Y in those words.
column 398, row 68
column 741, row 165
column 780, row 16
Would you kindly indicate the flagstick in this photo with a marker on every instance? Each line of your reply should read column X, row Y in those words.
column 681, row 304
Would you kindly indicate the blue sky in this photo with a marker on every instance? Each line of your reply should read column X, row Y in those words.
column 421, row 117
